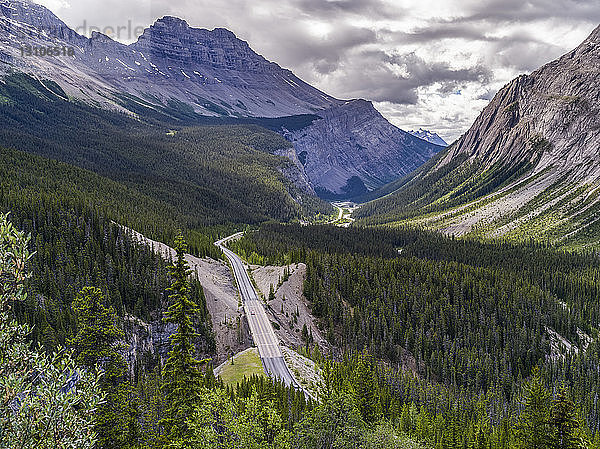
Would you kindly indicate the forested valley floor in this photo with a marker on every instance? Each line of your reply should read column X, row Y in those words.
column 437, row 342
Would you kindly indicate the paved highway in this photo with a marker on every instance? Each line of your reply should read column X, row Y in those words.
column 260, row 326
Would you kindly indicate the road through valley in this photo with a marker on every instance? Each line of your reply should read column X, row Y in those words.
column 260, row 326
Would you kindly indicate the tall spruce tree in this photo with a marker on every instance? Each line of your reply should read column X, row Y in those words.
column 366, row 390
column 534, row 430
column 97, row 345
column 565, row 422
column 182, row 374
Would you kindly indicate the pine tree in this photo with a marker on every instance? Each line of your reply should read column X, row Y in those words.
column 366, row 391
column 565, row 422
column 533, row 428
column 183, row 378
column 304, row 334
column 97, row 344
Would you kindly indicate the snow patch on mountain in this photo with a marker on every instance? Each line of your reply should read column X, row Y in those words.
column 429, row 136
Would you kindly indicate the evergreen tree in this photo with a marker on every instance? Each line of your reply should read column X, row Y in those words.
column 534, row 430
column 304, row 335
column 221, row 422
column 183, row 378
column 335, row 423
column 565, row 422
column 366, row 391
column 96, row 344
column 45, row 401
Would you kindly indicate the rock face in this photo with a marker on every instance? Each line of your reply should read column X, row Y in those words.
column 175, row 71
column 212, row 72
column 353, row 142
column 145, row 341
column 552, row 114
column 529, row 167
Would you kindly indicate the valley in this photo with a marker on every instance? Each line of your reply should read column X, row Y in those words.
column 199, row 249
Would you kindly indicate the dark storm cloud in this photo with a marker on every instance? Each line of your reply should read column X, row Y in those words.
column 371, row 8
column 470, row 32
column 397, row 78
column 521, row 11
column 325, row 53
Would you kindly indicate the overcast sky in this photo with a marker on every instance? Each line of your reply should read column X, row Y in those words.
column 425, row 63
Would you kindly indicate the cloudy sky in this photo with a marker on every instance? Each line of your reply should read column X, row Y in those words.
column 425, row 63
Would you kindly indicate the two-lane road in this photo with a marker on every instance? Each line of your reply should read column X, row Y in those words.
column 260, row 325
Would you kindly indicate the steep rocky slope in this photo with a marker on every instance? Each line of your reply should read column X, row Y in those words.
column 211, row 72
column 178, row 73
column 353, row 148
column 529, row 167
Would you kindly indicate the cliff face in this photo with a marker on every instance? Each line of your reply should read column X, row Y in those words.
column 552, row 114
column 353, row 141
column 172, row 39
column 529, row 167
column 211, row 72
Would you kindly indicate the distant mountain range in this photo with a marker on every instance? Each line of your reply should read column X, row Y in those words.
column 429, row 136
column 176, row 73
column 529, row 167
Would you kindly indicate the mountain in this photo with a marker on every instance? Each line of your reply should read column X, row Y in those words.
column 204, row 175
column 352, row 148
column 528, row 168
column 182, row 75
column 171, row 64
column 429, row 136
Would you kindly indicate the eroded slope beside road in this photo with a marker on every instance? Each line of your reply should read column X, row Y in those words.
column 231, row 333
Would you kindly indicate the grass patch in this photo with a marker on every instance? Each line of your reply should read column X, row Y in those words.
column 245, row 364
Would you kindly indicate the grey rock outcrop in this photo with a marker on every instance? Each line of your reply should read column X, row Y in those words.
column 148, row 341
column 295, row 172
column 353, row 140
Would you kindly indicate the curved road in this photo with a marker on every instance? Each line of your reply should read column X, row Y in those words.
column 262, row 332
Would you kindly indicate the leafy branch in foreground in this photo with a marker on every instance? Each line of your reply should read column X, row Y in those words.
column 45, row 401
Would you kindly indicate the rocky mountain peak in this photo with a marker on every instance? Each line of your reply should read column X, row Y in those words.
column 172, row 39
column 556, row 104
column 23, row 18
column 181, row 71
column 172, row 22
column 352, row 148
column 429, row 136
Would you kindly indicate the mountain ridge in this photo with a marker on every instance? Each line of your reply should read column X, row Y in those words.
column 429, row 136
column 527, row 168
column 177, row 73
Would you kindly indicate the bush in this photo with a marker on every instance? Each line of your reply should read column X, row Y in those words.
column 45, row 401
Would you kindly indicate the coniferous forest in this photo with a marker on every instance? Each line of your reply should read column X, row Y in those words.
column 435, row 342
column 461, row 331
